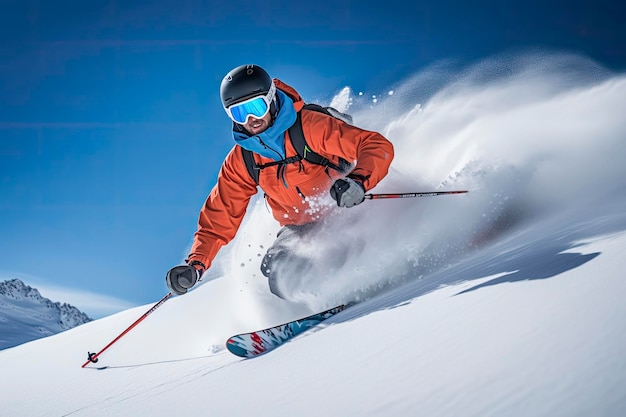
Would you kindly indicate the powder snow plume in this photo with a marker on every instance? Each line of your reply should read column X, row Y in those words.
column 528, row 135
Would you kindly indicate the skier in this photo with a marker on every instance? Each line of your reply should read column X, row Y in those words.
column 263, row 109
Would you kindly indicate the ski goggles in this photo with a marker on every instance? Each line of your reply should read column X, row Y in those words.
column 256, row 107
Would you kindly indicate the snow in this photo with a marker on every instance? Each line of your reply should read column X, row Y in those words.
column 504, row 301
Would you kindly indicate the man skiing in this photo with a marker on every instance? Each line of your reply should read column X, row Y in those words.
column 348, row 162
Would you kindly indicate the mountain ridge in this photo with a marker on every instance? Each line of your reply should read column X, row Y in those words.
column 26, row 315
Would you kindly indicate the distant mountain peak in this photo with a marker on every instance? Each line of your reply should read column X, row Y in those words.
column 17, row 290
column 26, row 315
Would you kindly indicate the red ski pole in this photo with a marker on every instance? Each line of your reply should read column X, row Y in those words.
column 93, row 357
column 410, row 195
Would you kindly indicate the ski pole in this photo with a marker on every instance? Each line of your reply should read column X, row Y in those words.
column 410, row 195
column 93, row 357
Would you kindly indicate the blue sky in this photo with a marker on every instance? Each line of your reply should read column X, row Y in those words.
column 111, row 129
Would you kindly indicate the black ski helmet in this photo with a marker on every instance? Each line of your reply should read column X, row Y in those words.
column 244, row 82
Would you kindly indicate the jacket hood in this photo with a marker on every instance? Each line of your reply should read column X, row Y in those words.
column 298, row 103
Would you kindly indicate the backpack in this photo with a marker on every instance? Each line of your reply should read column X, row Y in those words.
column 299, row 144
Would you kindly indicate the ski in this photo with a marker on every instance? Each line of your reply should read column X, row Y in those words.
column 249, row 345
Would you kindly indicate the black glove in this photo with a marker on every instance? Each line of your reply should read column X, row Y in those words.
column 347, row 192
column 182, row 277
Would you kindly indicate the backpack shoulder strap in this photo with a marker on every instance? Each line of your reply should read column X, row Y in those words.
column 251, row 165
column 296, row 134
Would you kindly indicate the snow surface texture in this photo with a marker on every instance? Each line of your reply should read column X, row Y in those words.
column 507, row 301
column 25, row 315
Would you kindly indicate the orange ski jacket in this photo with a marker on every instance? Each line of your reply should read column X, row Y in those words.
column 293, row 196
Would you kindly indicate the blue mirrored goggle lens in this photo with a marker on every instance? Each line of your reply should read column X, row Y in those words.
column 240, row 112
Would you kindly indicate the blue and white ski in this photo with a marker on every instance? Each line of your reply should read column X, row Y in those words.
column 248, row 345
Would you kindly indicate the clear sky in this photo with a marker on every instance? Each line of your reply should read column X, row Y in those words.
column 111, row 129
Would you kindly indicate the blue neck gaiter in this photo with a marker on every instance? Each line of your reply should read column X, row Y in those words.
column 271, row 142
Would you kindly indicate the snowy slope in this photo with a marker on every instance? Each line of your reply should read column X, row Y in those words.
column 505, row 301
column 25, row 315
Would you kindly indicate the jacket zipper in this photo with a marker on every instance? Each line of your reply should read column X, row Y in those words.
column 270, row 148
column 280, row 169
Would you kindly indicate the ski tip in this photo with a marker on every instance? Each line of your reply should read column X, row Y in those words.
column 236, row 349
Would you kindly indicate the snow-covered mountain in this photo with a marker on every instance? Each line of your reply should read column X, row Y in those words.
column 25, row 315
column 506, row 301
